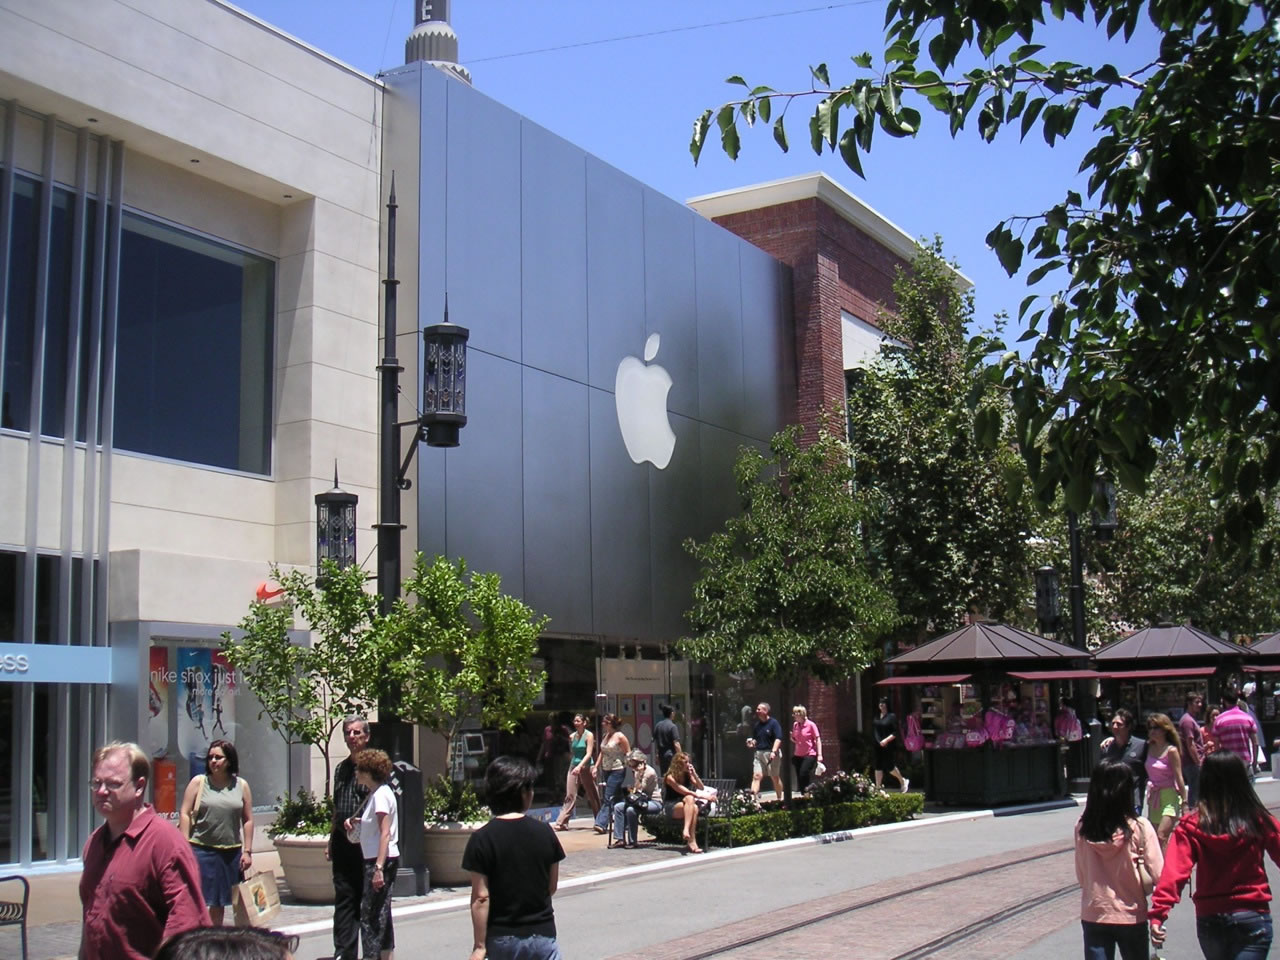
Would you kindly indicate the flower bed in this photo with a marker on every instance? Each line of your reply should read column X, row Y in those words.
column 840, row 802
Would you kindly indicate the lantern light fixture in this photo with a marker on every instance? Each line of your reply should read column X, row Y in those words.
column 444, row 381
column 336, row 526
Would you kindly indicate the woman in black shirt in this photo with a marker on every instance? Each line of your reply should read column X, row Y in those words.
column 885, row 726
column 514, row 863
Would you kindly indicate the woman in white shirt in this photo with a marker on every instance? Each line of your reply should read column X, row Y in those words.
column 378, row 825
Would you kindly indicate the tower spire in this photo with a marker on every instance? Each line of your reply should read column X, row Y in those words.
column 433, row 39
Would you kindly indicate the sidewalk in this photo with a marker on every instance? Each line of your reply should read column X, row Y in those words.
column 55, row 901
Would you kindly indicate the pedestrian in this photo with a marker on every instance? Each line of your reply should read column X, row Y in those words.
column 1122, row 745
column 680, row 798
column 235, row 943
column 1223, row 839
column 1210, row 738
column 1237, row 731
column 514, row 862
column 582, row 745
column 1109, row 842
column 140, row 883
column 1192, row 744
column 766, row 741
column 217, row 816
column 885, row 727
column 1166, row 789
column 613, row 756
column 377, row 827
column 345, row 857
column 666, row 736
column 806, row 746
column 645, row 797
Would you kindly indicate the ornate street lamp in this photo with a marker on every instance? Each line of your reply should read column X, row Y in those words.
column 336, row 526
column 1104, row 520
column 444, row 381
column 1048, row 600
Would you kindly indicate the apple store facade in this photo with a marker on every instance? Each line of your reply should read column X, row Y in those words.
column 623, row 349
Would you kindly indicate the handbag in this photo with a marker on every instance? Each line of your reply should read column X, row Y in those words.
column 256, row 901
column 191, row 820
column 353, row 831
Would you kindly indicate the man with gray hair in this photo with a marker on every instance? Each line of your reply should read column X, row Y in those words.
column 345, row 857
column 140, row 884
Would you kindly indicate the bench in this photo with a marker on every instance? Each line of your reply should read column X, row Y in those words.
column 14, row 912
column 725, row 789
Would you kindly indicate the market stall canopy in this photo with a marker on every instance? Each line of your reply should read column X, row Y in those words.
column 1153, row 674
column 1267, row 643
column 1054, row 674
column 1156, row 643
column 907, row 681
column 988, row 641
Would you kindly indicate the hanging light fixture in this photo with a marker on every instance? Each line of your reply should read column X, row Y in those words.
column 336, row 526
column 444, row 381
column 1104, row 520
column 1048, row 602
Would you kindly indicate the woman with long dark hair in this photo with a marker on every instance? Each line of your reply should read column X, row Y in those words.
column 582, row 750
column 1223, row 839
column 1110, row 842
column 1166, row 789
column 680, row 798
column 613, row 755
column 217, row 817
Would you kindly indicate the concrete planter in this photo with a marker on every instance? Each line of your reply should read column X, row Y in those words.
column 443, row 844
column 305, row 868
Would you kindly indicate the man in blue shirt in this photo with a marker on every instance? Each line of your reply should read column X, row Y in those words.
column 766, row 741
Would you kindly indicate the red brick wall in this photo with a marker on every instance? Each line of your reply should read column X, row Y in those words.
column 835, row 266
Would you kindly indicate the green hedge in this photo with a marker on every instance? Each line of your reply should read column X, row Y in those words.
column 785, row 824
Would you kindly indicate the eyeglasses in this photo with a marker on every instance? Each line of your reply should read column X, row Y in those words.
column 112, row 785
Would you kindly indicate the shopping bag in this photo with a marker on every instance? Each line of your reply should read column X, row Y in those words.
column 256, row 900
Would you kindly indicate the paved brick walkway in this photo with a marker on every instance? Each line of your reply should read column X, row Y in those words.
column 886, row 920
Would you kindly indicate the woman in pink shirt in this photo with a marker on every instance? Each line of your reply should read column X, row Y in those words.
column 1110, row 841
column 808, row 747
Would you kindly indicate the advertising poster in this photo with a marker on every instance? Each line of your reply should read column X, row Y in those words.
column 158, row 682
column 644, row 721
column 627, row 713
column 165, row 797
column 195, row 701
column 223, row 697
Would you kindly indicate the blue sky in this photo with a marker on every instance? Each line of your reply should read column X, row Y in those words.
column 632, row 101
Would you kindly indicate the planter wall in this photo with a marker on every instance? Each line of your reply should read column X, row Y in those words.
column 443, row 846
column 305, row 868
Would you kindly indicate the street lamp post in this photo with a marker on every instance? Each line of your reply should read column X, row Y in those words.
column 442, row 415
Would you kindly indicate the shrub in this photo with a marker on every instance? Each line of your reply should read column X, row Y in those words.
column 304, row 815
column 451, row 801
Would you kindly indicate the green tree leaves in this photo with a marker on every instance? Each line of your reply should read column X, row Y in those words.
column 1166, row 319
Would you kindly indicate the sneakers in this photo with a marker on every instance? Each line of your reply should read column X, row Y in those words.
column 905, row 784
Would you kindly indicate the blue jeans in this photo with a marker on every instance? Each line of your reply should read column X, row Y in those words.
column 522, row 948
column 624, row 813
column 1241, row 935
column 1102, row 939
column 610, row 796
column 1191, row 775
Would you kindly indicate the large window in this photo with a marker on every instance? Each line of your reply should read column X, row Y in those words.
column 193, row 347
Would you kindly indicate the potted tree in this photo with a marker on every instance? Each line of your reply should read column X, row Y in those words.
column 457, row 648
column 305, row 692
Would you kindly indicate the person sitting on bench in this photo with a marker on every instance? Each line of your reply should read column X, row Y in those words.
column 643, row 798
column 680, row 796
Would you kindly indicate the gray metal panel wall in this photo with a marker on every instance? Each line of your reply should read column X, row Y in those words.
column 720, row 389
column 615, row 270
column 673, row 516
column 670, row 300
column 557, row 500
column 553, row 269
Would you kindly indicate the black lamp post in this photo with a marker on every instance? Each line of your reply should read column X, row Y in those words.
column 335, row 526
column 443, row 415
column 1048, row 600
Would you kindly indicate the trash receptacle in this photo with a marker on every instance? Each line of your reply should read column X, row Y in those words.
column 411, row 880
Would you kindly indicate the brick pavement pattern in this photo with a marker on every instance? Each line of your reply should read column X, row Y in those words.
column 885, row 920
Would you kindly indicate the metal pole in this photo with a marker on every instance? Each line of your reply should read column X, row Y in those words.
column 396, row 737
column 1087, row 709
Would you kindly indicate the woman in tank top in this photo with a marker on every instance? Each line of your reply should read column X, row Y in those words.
column 1166, row 791
column 613, row 767
column 217, row 816
column 581, row 772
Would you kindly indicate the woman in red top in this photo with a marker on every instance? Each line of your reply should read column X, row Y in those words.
column 1224, row 839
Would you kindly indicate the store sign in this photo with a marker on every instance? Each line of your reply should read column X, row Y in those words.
column 47, row 663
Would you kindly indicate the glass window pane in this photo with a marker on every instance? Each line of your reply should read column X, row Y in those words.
column 86, row 323
column 47, row 601
column 57, row 320
column 10, row 600
column 8, row 773
column 193, row 349
column 15, row 379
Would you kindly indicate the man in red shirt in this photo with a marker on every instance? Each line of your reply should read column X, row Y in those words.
column 1192, row 745
column 1235, row 730
column 140, row 883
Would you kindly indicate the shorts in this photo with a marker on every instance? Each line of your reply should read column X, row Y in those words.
column 766, row 763
column 1166, row 803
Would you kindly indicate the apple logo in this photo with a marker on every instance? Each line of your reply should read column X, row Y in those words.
column 640, row 392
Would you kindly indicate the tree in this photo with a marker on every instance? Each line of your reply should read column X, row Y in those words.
column 307, row 691
column 785, row 589
column 461, row 649
column 950, row 526
column 1166, row 321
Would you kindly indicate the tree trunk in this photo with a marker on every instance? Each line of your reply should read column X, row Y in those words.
column 788, row 748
